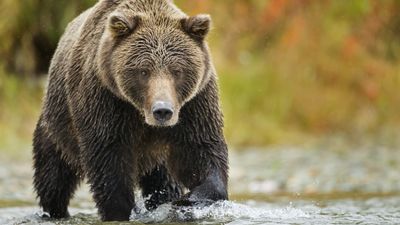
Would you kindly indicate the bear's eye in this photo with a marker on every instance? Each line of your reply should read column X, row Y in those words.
column 177, row 72
column 144, row 73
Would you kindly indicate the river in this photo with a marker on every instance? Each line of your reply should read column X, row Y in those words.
column 274, row 186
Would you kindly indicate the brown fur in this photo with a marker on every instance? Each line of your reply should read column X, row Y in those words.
column 114, row 61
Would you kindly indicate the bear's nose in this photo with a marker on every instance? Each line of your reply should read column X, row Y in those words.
column 162, row 111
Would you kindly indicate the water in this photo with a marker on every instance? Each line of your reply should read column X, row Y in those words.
column 368, row 211
column 279, row 186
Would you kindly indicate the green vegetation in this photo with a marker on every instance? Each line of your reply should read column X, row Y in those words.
column 289, row 70
column 19, row 108
column 30, row 31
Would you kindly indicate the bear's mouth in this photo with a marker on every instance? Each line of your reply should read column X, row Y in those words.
column 150, row 120
column 161, row 114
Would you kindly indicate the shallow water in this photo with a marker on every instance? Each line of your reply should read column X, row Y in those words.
column 368, row 211
column 278, row 186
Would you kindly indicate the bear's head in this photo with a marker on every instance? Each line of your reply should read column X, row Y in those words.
column 155, row 57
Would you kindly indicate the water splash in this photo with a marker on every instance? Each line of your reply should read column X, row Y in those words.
column 222, row 211
column 343, row 211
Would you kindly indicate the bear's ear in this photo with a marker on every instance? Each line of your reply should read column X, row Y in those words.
column 197, row 26
column 120, row 24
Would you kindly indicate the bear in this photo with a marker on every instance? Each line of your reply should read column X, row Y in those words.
column 132, row 102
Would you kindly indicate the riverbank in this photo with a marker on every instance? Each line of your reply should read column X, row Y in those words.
column 280, row 171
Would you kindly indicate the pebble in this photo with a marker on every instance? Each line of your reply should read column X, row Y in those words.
column 264, row 171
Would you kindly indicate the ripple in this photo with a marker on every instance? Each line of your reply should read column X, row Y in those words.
column 343, row 211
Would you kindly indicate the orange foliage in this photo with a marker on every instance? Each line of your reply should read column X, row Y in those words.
column 274, row 11
column 293, row 32
column 351, row 47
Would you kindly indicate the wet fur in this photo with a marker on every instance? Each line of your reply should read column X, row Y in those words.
column 89, row 128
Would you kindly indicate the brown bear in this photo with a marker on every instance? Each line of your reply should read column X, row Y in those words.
column 132, row 102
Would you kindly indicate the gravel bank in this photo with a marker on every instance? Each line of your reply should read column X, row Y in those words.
column 263, row 171
column 365, row 170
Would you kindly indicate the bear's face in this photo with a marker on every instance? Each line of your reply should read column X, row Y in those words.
column 156, row 64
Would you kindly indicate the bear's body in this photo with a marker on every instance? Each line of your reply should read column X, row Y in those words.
column 132, row 101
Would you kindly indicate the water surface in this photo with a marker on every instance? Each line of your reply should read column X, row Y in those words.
column 378, row 210
column 278, row 186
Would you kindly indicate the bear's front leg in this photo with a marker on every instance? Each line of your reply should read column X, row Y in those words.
column 203, row 170
column 199, row 156
column 210, row 190
column 110, row 174
column 104, row 127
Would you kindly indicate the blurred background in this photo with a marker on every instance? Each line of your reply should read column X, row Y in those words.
column 290, row 71
column 304, row 85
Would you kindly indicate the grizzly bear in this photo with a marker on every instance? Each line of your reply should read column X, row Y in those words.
column 132, row 102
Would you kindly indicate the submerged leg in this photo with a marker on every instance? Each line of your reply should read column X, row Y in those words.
column 110, row 174
column 158, row 188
